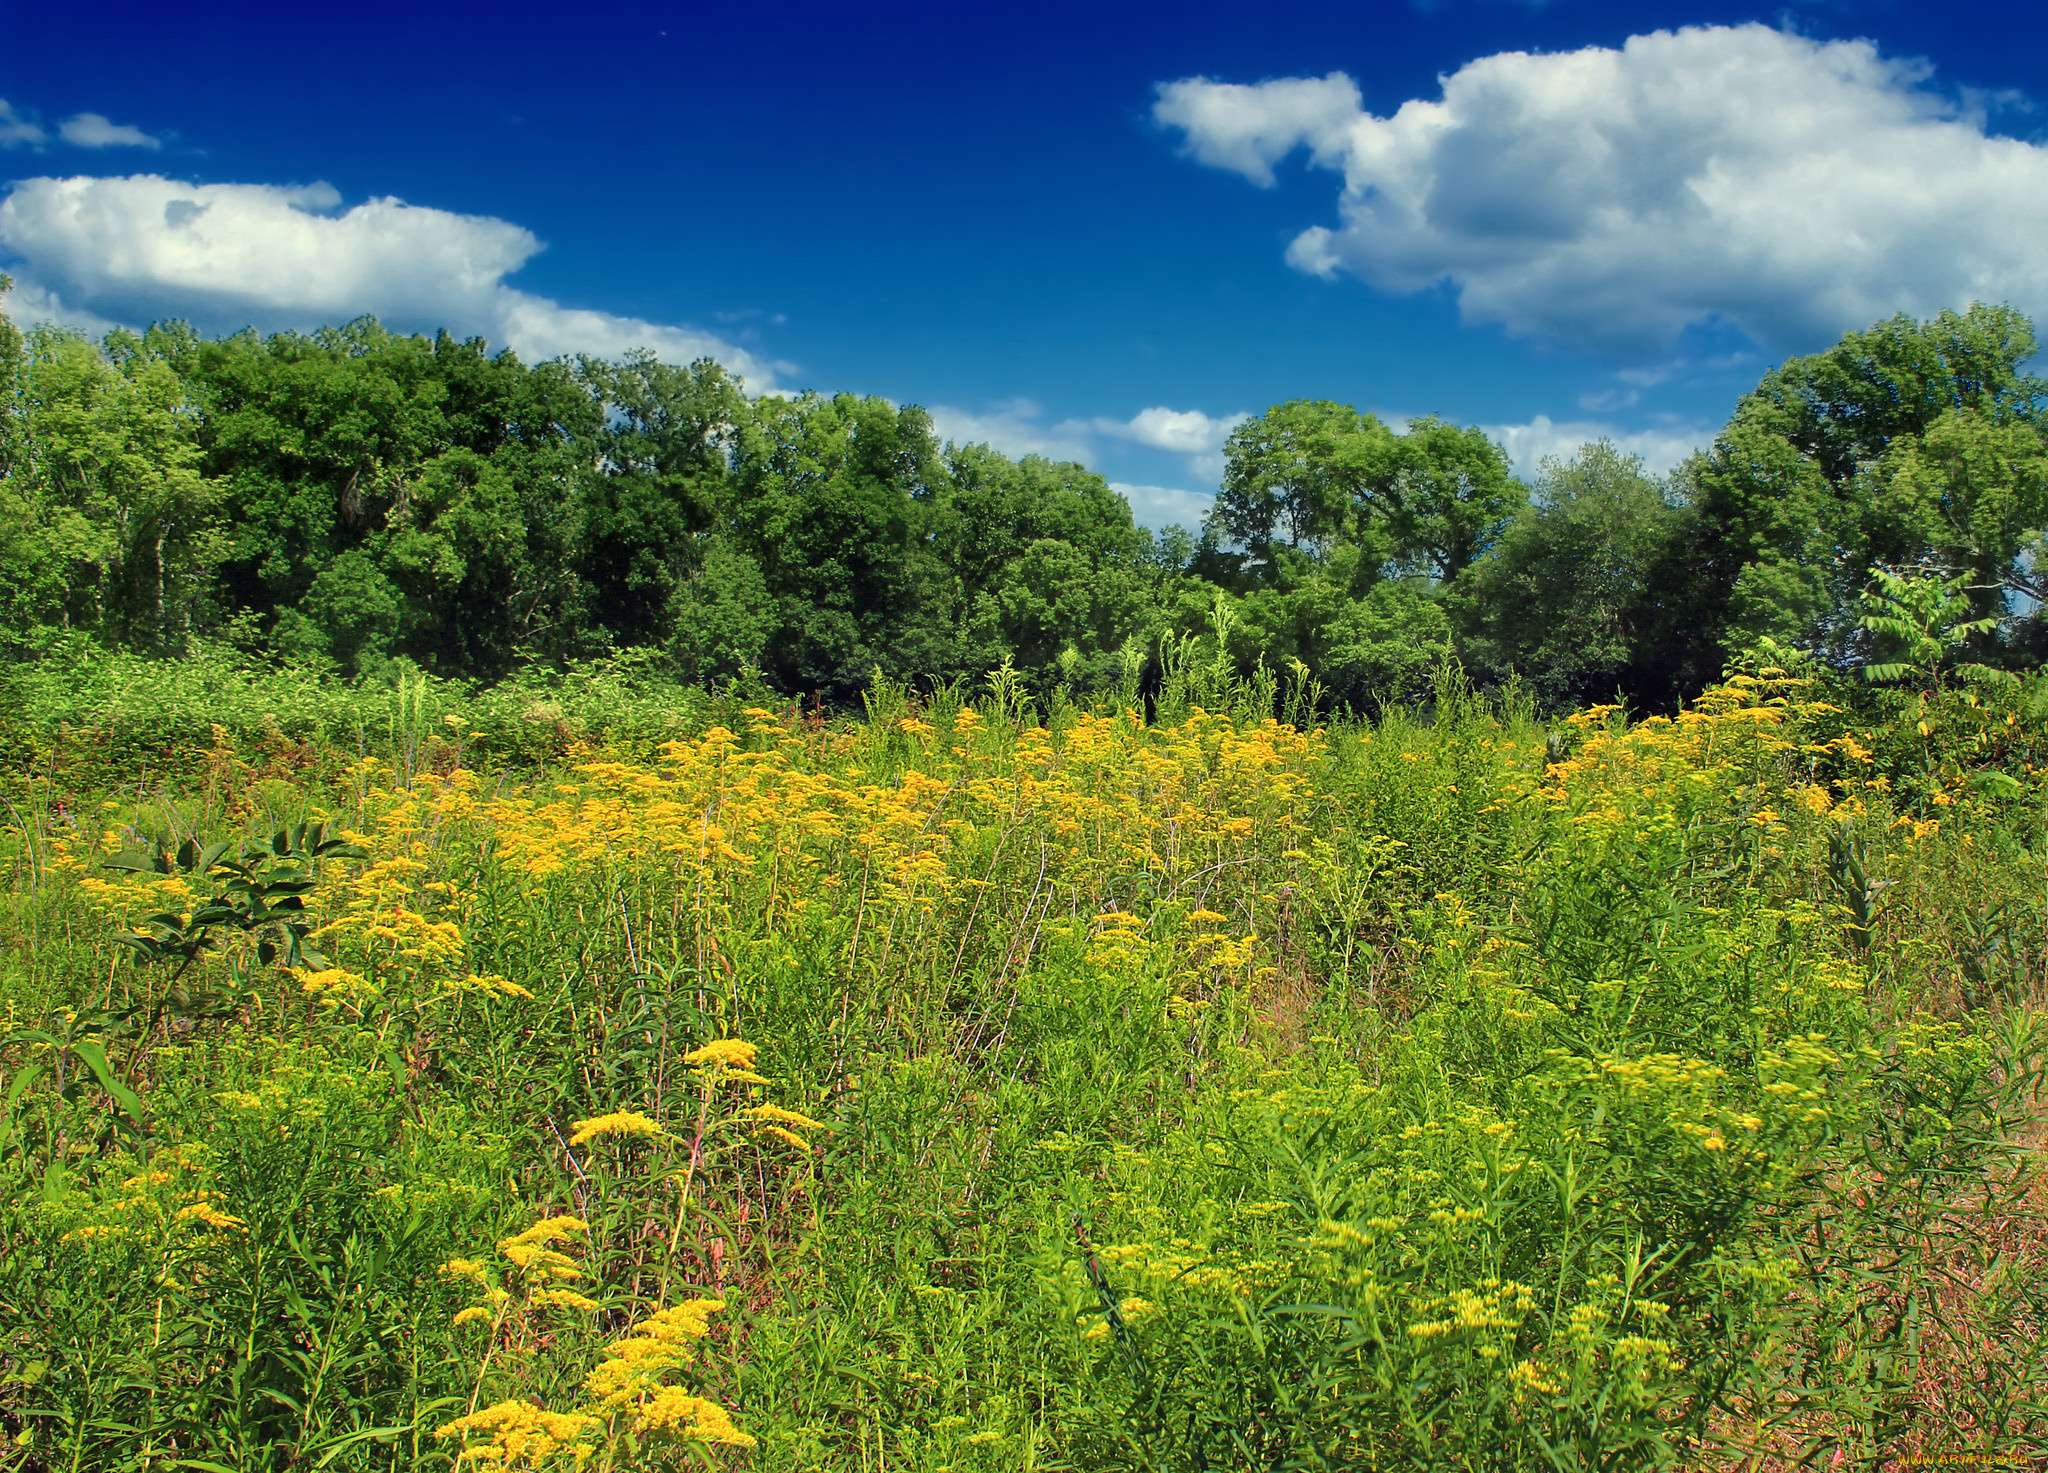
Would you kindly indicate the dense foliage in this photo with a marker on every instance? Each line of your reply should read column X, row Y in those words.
column 359, row 501
column 623, row 1070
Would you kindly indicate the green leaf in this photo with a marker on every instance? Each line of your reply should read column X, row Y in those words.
column 138, row 861
column 17, row 1085
column 95, row 1059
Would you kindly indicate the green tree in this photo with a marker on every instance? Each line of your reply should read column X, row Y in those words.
column 1571, row 596
column 1450, row 494
column 1044, row 556
column 1345, row 537
column 1299, row 479
column 1308, row 476
column 1919, row 619
column 1905, row 443
column 1372, row 650
column 31, row 569
column 109, row 468
column 832, row 501
column 457, row 474
column 1971, row 492
column 724, row 617
column 660, row 493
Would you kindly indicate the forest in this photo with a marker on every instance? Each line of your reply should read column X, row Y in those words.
column 566, row 918
column 355, row 501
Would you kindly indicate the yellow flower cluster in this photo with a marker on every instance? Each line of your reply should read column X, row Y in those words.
column 630, row 1377
column 521, row 1436
column 618, row 1123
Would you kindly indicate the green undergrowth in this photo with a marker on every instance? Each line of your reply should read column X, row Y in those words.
column 1195, row 1094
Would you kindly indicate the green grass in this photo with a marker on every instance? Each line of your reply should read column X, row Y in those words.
column 1432, row 1093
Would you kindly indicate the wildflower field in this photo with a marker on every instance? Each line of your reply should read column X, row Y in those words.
column 992, row 1084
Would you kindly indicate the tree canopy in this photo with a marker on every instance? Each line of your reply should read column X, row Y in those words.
column 353, row 497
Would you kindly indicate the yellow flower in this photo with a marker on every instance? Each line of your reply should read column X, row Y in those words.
column 204, row 1212
column 521, row 1434
column 470, row 1315
column 93, row 1230
column 534, row 1258
column 550, row 1230
column 567, row 1298
column 673, row 1409
column 333, row 979
column 621, row 1122
column 786, row 1135
column 733, row 1052
column 786, row 1117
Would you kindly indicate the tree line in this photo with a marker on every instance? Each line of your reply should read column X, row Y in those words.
column 354, row 498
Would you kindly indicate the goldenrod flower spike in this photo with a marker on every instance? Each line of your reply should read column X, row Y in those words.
column 213, row 1217
column 549, row 1230
column 618, row 1123
column 732, row 1052
column 784, row 1117
column 674, row 1410
column 521, row 1434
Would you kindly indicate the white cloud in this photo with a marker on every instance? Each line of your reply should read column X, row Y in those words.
column 1015, row 427
column 226, row 255
column 1164, row 506
column 17, row 131
column 92, row 130
column 1183, row 431
column 1605, row 199
column 1250, row 129
column 1529, row 444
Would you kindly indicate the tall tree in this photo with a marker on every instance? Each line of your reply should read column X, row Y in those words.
column 832, row 501
column 1308, row 476
column 1044, row 556
column 1571, row 596
column 1347, row 537
column 657, row 500
column 110, row 448
column 397, row 494
column 1834, row 465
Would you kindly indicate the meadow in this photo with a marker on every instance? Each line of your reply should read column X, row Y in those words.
column 568, row 1075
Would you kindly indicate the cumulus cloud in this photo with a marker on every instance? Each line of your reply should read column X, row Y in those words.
column 1187, row 432
column 1529, row 444
column 1183, row 431
column 17, row 131
column 1250, row 129
column 1605, row 199
column 92, row 130
column 1159, row 507
column 228, row 255
column 1017, row 427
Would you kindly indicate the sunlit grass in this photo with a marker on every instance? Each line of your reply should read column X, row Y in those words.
column 1009, row 1088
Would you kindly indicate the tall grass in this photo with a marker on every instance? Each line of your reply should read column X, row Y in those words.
column 1196, row 1094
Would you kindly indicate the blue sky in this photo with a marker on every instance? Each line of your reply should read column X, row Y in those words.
column 1097, row 230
